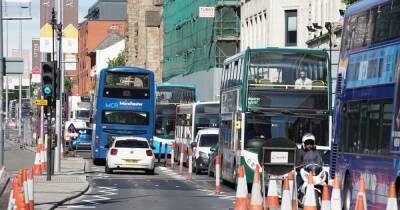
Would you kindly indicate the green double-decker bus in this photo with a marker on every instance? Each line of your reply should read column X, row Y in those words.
column 269, row 93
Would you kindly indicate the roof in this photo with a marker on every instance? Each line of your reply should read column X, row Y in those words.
column 110, row 40
column 137, row 138
column 363, row 5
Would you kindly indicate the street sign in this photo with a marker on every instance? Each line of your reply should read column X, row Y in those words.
column 42, row 102
column 207, row 12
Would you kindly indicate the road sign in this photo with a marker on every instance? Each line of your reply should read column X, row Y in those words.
column 41, row 102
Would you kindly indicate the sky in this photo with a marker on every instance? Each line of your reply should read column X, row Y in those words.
column 30, row 28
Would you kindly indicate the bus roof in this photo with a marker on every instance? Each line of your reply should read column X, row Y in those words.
column 174, row 85
column 362, row 6
column 276, row 49
column 132, row 69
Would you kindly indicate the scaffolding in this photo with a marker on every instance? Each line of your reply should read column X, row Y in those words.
column 192, row 43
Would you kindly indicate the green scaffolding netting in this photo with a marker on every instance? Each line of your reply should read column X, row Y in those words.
column 193, row 44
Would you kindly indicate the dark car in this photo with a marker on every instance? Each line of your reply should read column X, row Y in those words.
column 211, row 160
column 83, row 141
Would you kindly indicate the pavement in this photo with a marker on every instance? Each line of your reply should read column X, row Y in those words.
column 70, row 183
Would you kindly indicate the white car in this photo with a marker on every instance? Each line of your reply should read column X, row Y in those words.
column 205, row 139
column 129, row 152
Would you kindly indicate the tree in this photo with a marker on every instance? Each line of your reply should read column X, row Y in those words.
column 120, row 60
column 348, row 2
column 68, row 83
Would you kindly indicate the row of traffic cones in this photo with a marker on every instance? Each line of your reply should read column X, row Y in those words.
column 289, row 195
column 21, row 195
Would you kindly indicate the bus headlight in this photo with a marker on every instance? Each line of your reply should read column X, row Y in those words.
column 251, row 163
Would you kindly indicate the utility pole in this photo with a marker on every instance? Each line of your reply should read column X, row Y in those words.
column 57, row 159
column 1, row 87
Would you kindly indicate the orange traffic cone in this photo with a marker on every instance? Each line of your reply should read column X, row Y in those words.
column 310, row 202
column 190, row 167
column 272, row 201
column 20, row 200
column 361, row 194
column 43, row 157
column 360, row 204
column 286, row 196
column 256, row 197
column 241, row 201
column 336, row 199
column 326, row 200
column 392, row 198
column 30, row 189
column 14, row 187
column 217, row 175
column 37, row 167
column 292, row 190
column 25, row 187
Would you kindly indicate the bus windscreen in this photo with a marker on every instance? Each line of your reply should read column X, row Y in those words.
column 126, row 85
column 277, row 70
column 125, row 117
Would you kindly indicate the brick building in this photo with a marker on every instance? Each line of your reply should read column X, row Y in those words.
column 145, row 35
column 91, row 34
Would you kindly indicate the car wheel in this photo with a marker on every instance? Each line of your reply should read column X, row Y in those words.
column 150, row 171
column 347, row 194
column 108, row 170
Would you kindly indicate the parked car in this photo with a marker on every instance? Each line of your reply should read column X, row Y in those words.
column 83, row 141
column 205, row 139
column 211, row 160
column 127, row 153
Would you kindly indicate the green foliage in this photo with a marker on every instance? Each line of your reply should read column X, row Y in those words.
column 68, row 83
column 348, row 2
column 120, row 60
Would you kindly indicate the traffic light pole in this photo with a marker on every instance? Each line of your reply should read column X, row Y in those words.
column 59, row 82
column 1, row 87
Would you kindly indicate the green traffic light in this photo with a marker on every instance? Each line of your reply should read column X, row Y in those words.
column 47, row 90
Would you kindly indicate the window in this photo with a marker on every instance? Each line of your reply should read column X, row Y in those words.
column 125, row 117
column 208, row 140
column 382, row 23
column 126, row 80
column 291, row 27
column 131, row 144
column 361, row 31
column 366, row 127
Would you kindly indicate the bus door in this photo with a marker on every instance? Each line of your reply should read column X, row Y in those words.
column 230, row 134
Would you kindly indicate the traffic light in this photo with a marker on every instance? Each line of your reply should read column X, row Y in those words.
column 49, row 82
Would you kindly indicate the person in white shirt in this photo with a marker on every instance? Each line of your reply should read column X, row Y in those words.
column 303, row 82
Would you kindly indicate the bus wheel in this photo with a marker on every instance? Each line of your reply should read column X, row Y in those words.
column 347, row 194
column 96, row 161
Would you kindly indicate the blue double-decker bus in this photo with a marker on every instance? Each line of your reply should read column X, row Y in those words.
column 363, row 142
column 168, row 96
column 124, row 102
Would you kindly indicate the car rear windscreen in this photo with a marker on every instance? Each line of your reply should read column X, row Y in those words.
column 131, row 144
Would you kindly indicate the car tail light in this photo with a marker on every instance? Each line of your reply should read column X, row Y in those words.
column 97, row 139
column 113, row 151
column 149, row 152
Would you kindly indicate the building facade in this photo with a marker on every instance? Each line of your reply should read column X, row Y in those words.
column 198, row 37
column 289, row 23
column 106, row 10
column 91, row 34
column 145, row 35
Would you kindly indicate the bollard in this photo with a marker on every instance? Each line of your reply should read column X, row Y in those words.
column 172, row 155
column 217, row 175
column 25, row 187
column 159, row 152
column 181, row 161
column 190, row 165
column 165, row 154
